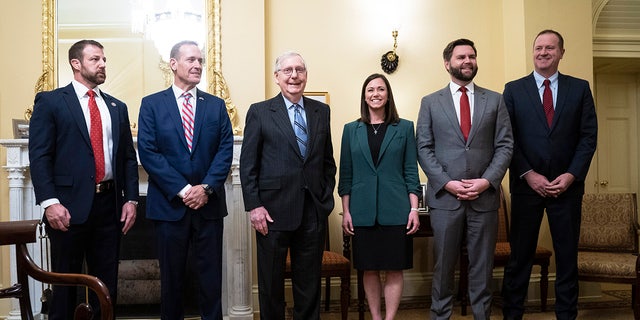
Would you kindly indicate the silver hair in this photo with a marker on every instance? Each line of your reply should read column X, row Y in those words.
column 286, row 55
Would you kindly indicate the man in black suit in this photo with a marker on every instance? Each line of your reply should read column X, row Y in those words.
column 85, row 175
column 555, row 131
column 288, row 175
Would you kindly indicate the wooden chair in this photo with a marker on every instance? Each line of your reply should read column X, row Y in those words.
column 19, row 233
column 608, row 246
column 333, row 265
column 500, row 258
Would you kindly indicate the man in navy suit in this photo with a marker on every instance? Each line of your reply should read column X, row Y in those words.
column 185, row 142
column 288, row 189
column 89, row 195
column 552, row 152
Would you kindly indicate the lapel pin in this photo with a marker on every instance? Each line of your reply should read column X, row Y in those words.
column 200, row 98
column 113, row 104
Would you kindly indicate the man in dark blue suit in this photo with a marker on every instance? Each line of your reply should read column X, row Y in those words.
column 85, row 175
column 555, row 132
column 185, row 142
column 287, row 186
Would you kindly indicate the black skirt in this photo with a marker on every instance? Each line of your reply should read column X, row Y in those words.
column 382, row 248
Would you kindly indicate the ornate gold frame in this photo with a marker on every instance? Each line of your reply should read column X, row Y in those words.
column 216, row 82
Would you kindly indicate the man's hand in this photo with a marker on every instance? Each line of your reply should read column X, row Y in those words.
column 467, row 189
column 538, row 183
column 128, row 216
column 259, row 218
column 58, row 217
column 560, row 184
column 195, row 197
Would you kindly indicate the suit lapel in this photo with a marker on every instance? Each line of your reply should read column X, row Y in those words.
column 449, row 110
column 281, row 120
column 363, row 142
column 392, row 130
column 75, row 109
column 201, row 111
column 170, row 105
column 112, row 106
column 531, row 88
column 562, row 92
column 479, row 108
column 312, row 110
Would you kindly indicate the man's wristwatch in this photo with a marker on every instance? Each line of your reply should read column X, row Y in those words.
column 207, row 189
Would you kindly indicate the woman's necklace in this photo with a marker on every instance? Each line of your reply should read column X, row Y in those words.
column 375, row 130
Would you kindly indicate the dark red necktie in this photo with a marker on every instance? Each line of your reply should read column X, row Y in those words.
column 465, row 113
column 547, row 102
column 96, row 136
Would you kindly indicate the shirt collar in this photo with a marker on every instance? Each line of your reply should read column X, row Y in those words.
column 81, row 89
column 454, row 87
column 288, row 103
column 177, row 92
column 540, row 79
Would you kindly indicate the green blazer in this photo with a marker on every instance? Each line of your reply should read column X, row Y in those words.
column 379, row 194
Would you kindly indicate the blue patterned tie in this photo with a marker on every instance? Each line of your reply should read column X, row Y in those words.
column 300, row 128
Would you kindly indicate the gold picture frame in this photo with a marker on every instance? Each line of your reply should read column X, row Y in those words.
column 321, row 96
column 20, row 129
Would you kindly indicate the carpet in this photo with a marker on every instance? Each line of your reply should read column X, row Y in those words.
column 609, row 299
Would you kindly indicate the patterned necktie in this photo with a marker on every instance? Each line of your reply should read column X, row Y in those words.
column 95, row 135
column 300, row 128
column 465, row 113
column 547, row 102
column 187, row 119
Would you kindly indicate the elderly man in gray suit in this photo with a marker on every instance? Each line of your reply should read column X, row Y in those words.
column 464, row 145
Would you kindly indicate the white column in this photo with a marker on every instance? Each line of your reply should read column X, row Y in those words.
column 237, row 246
column 22, row 207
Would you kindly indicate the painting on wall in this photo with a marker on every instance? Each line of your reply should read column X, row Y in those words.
column 321, row 96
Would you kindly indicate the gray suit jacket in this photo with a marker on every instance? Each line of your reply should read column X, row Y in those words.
column 444, row 155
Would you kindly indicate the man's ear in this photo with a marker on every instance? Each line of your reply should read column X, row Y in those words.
column 75, row 64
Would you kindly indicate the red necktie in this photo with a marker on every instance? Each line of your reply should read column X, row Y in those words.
column 187, row 119
column 547, row 102
column 96, row 136
column 465, row 113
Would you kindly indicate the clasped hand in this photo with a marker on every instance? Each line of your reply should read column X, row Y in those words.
column 467, row 189
column 544, row 188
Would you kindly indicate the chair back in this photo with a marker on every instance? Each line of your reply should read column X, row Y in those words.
column 503, row 219
column 609, row 223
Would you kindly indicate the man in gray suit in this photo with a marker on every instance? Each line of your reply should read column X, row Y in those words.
column 464, row 145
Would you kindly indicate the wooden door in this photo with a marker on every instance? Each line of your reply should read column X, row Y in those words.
column 616, row 161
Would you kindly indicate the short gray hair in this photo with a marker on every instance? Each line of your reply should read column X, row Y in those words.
column 175, row 50
column 286, row 55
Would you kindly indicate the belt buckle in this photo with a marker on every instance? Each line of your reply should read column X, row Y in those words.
column 102, row 186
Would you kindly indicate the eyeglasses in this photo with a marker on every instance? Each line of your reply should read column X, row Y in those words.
column 289, row 71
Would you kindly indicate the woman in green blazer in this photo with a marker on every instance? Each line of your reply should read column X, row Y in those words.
column 379, row 186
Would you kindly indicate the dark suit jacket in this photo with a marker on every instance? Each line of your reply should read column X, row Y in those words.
column 444, row 155
column 568, row 146
column 272, row 171
column 61, row 158
column 166, row 158
column 379, row 193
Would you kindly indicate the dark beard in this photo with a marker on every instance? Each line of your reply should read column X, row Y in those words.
column 456, row 73
column 95, row 78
